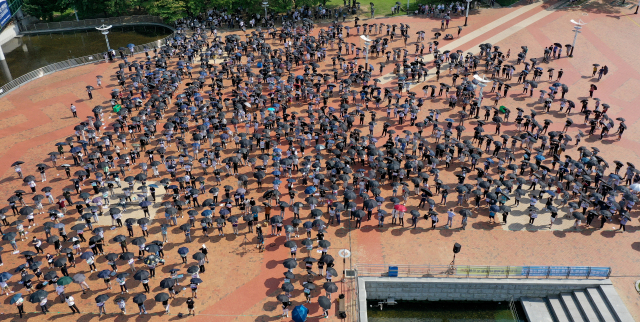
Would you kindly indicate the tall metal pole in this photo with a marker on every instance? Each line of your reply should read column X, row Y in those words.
column 637, row 7
column 575, row 37
column 467, row 15
column 576, row 28
column 104, row 29
column 107, row 39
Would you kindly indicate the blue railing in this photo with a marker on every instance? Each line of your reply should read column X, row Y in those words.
column 482, row 271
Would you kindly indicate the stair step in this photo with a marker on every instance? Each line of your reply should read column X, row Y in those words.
column 557, row 308
column 601, row 306
column 585, row 305
column 572, row 307
column 536, row 309
column 618, row 308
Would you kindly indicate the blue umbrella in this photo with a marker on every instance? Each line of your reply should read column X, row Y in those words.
column 183, row 251
column 20, row 268
column 104, row 274
column 276, row 173
column 153, row 186
column 299, row 313
column 131, row 45
column 224, row 211
column 76, row 149
column 291, row 180
column 207, row 213
column 551, row 193
column 310, row 190
column 18, row 296
column 5, row 277
column 86, row 255
column 540, row 157
column 145, row 204
column 494, row 208
column 277, row 150
column 277, row 182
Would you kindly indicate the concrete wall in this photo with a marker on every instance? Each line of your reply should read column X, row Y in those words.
column 9, row 33
column 435, row 289
column 462, row 289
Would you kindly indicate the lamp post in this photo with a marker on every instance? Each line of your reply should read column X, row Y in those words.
column 265, row 5
column 637, row 7
column 466, row 17
column 576, row 28
column 104, row 29
column 344, row 253
column 482, row 83
column 367, row 42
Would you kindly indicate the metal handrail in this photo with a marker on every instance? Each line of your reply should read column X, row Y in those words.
column 484, row 271
column 89, row 23
column 514, row 311
column 70, row 63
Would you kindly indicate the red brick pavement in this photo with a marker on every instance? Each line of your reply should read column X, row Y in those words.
column 241, row 285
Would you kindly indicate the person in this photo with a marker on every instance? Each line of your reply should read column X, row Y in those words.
column 20, row 306
column 450, row 215
column 285, row 309
column 72, row 304
column 43, row 306
column 145, row 285
column 60, row 292
column 142, row 308
column 123, row 285
column 123, row 306
column 191, row 306
column 74, row 110
column 101, row 308
column 194, row 289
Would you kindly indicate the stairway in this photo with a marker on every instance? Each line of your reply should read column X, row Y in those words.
column 594, row 304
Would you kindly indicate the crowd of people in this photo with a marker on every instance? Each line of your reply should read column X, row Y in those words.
column 286, row 121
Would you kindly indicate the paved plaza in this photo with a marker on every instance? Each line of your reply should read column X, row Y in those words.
column 241, row 283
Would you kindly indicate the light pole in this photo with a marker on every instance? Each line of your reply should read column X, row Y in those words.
column 367, row 43
column 637, row 7
column 265, row 5
column 576, row 28
column 466, row 17
column 104, row 29
column 482, row 83
column 344, row 253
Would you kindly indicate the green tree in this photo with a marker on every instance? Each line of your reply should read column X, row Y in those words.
column 169, row 10
column 43, row 9
column 195, row 7
column 89, row 8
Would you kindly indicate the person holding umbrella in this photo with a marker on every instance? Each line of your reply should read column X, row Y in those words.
column 122, row 305
column 121, row 279
column 194, row 287
column 19, row 302
column 43, row 302
column 100, row 299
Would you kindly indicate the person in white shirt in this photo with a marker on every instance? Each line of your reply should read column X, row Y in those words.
column 123, row 306
column 60, row 292
column 72, row 304
column 43, row 306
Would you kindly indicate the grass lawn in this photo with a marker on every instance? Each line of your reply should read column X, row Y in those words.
column 383, row 7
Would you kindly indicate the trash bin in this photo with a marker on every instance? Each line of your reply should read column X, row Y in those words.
column 393, row 271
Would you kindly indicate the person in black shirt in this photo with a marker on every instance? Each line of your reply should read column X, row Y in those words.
column 190, row 305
